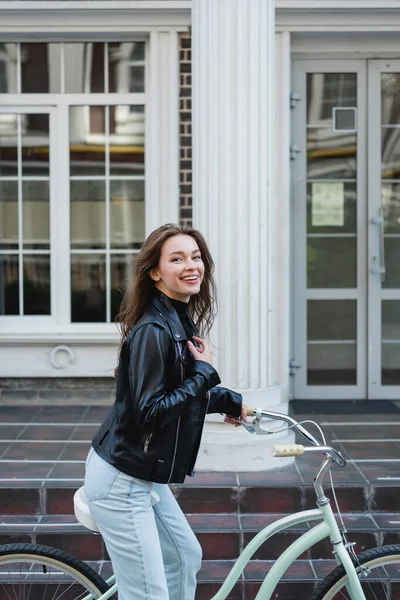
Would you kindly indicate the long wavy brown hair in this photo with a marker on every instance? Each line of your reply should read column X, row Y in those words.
column 202, row 306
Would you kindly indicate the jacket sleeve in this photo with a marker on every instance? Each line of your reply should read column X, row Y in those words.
column 225, row 401
column 155, row 405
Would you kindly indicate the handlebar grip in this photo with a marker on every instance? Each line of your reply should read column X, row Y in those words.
column 250, row 411
column 287, row 450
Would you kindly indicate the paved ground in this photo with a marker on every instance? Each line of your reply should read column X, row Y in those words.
column 47, row 445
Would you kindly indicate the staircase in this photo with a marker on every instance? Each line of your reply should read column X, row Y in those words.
column 225, row 516
column 42, row 452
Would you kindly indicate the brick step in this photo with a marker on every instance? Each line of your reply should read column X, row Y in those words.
column 298, row 583
column 56, row 498
column 222, row 536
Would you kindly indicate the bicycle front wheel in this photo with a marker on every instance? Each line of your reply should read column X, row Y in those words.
column 379, row 574
column 33, row 572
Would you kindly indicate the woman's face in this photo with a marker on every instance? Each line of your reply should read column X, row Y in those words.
column 181, row 270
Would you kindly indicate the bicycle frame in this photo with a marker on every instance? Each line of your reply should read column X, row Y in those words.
column 326, row 528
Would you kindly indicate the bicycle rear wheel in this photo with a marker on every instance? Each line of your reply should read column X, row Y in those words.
column 33, row 572
column 379, row 574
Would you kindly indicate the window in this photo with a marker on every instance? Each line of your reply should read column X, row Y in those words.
column 100, row 90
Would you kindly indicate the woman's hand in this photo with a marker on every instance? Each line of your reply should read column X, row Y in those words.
column 233, row 420
column 201, row 351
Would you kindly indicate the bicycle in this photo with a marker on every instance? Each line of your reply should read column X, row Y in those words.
column 33, row 570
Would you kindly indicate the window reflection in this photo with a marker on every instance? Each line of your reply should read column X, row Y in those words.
column 88, row 298
column 8, row 145
column 88, row 226
column 35, row 142
column 127, row 218
column 325, row 91
column 8, row 68
column 88, row 67
column 390, row 98
column 36, row 214
column 84, row 68
column 36, row 284
column 8, row 215
column 126, row 67
column 127, row 130
column 122, row 270
column 9, row 284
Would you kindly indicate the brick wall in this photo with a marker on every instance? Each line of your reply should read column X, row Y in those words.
column 185, row 129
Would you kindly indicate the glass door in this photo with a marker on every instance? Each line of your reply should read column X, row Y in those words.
column 384, row 228
column 329, row 232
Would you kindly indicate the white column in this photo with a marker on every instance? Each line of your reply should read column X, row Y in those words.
column 233, row 86
column 162, row 130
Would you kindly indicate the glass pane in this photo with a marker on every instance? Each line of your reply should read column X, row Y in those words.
column 390, row 98
column 9, row 285
column 136, row 79
column 331, row 364
column 390, row 364
column 331, row 320
column 35, row 144
column 391, row 319
column 331, row 207
column 326, row 91
column 127, row 218
column 8, row 145
column 84, row 68
column 88, row 298
column 88, row 205
column 390, row 197
column 332, row 262
column 392, row 263
column 35, row 68
column 126, row 67
column 37, row 284
column 8, row 214
column 87, row 140
column 126, row 140
column 8, row 68
column 330, row 154
column 122, row 275
column 390, row 151
column 36, row 214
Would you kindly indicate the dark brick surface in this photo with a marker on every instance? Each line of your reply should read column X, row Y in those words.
column 60, row 500
column 20, row 501
column 271, row 499
column 273, row 547
column 207, row 500
column 220, row 546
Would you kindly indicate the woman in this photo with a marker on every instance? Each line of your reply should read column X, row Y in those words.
column 165, row 387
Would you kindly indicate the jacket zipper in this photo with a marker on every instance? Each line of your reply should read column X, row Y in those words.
column 147, row 442
column 193, row 473
column 176, row 437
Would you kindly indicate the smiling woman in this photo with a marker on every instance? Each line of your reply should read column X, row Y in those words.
column 181, row 270
column 166, row 385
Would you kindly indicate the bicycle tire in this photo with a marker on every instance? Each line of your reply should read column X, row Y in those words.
column 383, row 563
column 33, row 571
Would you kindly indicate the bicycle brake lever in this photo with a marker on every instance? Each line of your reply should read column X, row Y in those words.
column 249, row 428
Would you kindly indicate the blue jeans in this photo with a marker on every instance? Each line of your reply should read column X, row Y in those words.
column 154, row 552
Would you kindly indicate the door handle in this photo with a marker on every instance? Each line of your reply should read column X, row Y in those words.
column 379, row 268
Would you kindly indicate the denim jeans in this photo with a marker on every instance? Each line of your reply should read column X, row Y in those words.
column 154, row 552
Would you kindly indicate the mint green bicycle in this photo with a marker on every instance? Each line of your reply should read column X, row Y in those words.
column 30, row 572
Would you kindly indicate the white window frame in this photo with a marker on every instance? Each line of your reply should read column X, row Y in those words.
column 162, row 146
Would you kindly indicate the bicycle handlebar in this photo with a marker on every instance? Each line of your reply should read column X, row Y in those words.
column 291, row 449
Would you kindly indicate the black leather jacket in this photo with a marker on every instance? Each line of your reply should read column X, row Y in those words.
column 154, row 428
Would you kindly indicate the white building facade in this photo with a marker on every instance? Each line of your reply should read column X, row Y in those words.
column 271, row 125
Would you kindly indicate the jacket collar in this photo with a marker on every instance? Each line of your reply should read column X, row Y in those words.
column 166, row 308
